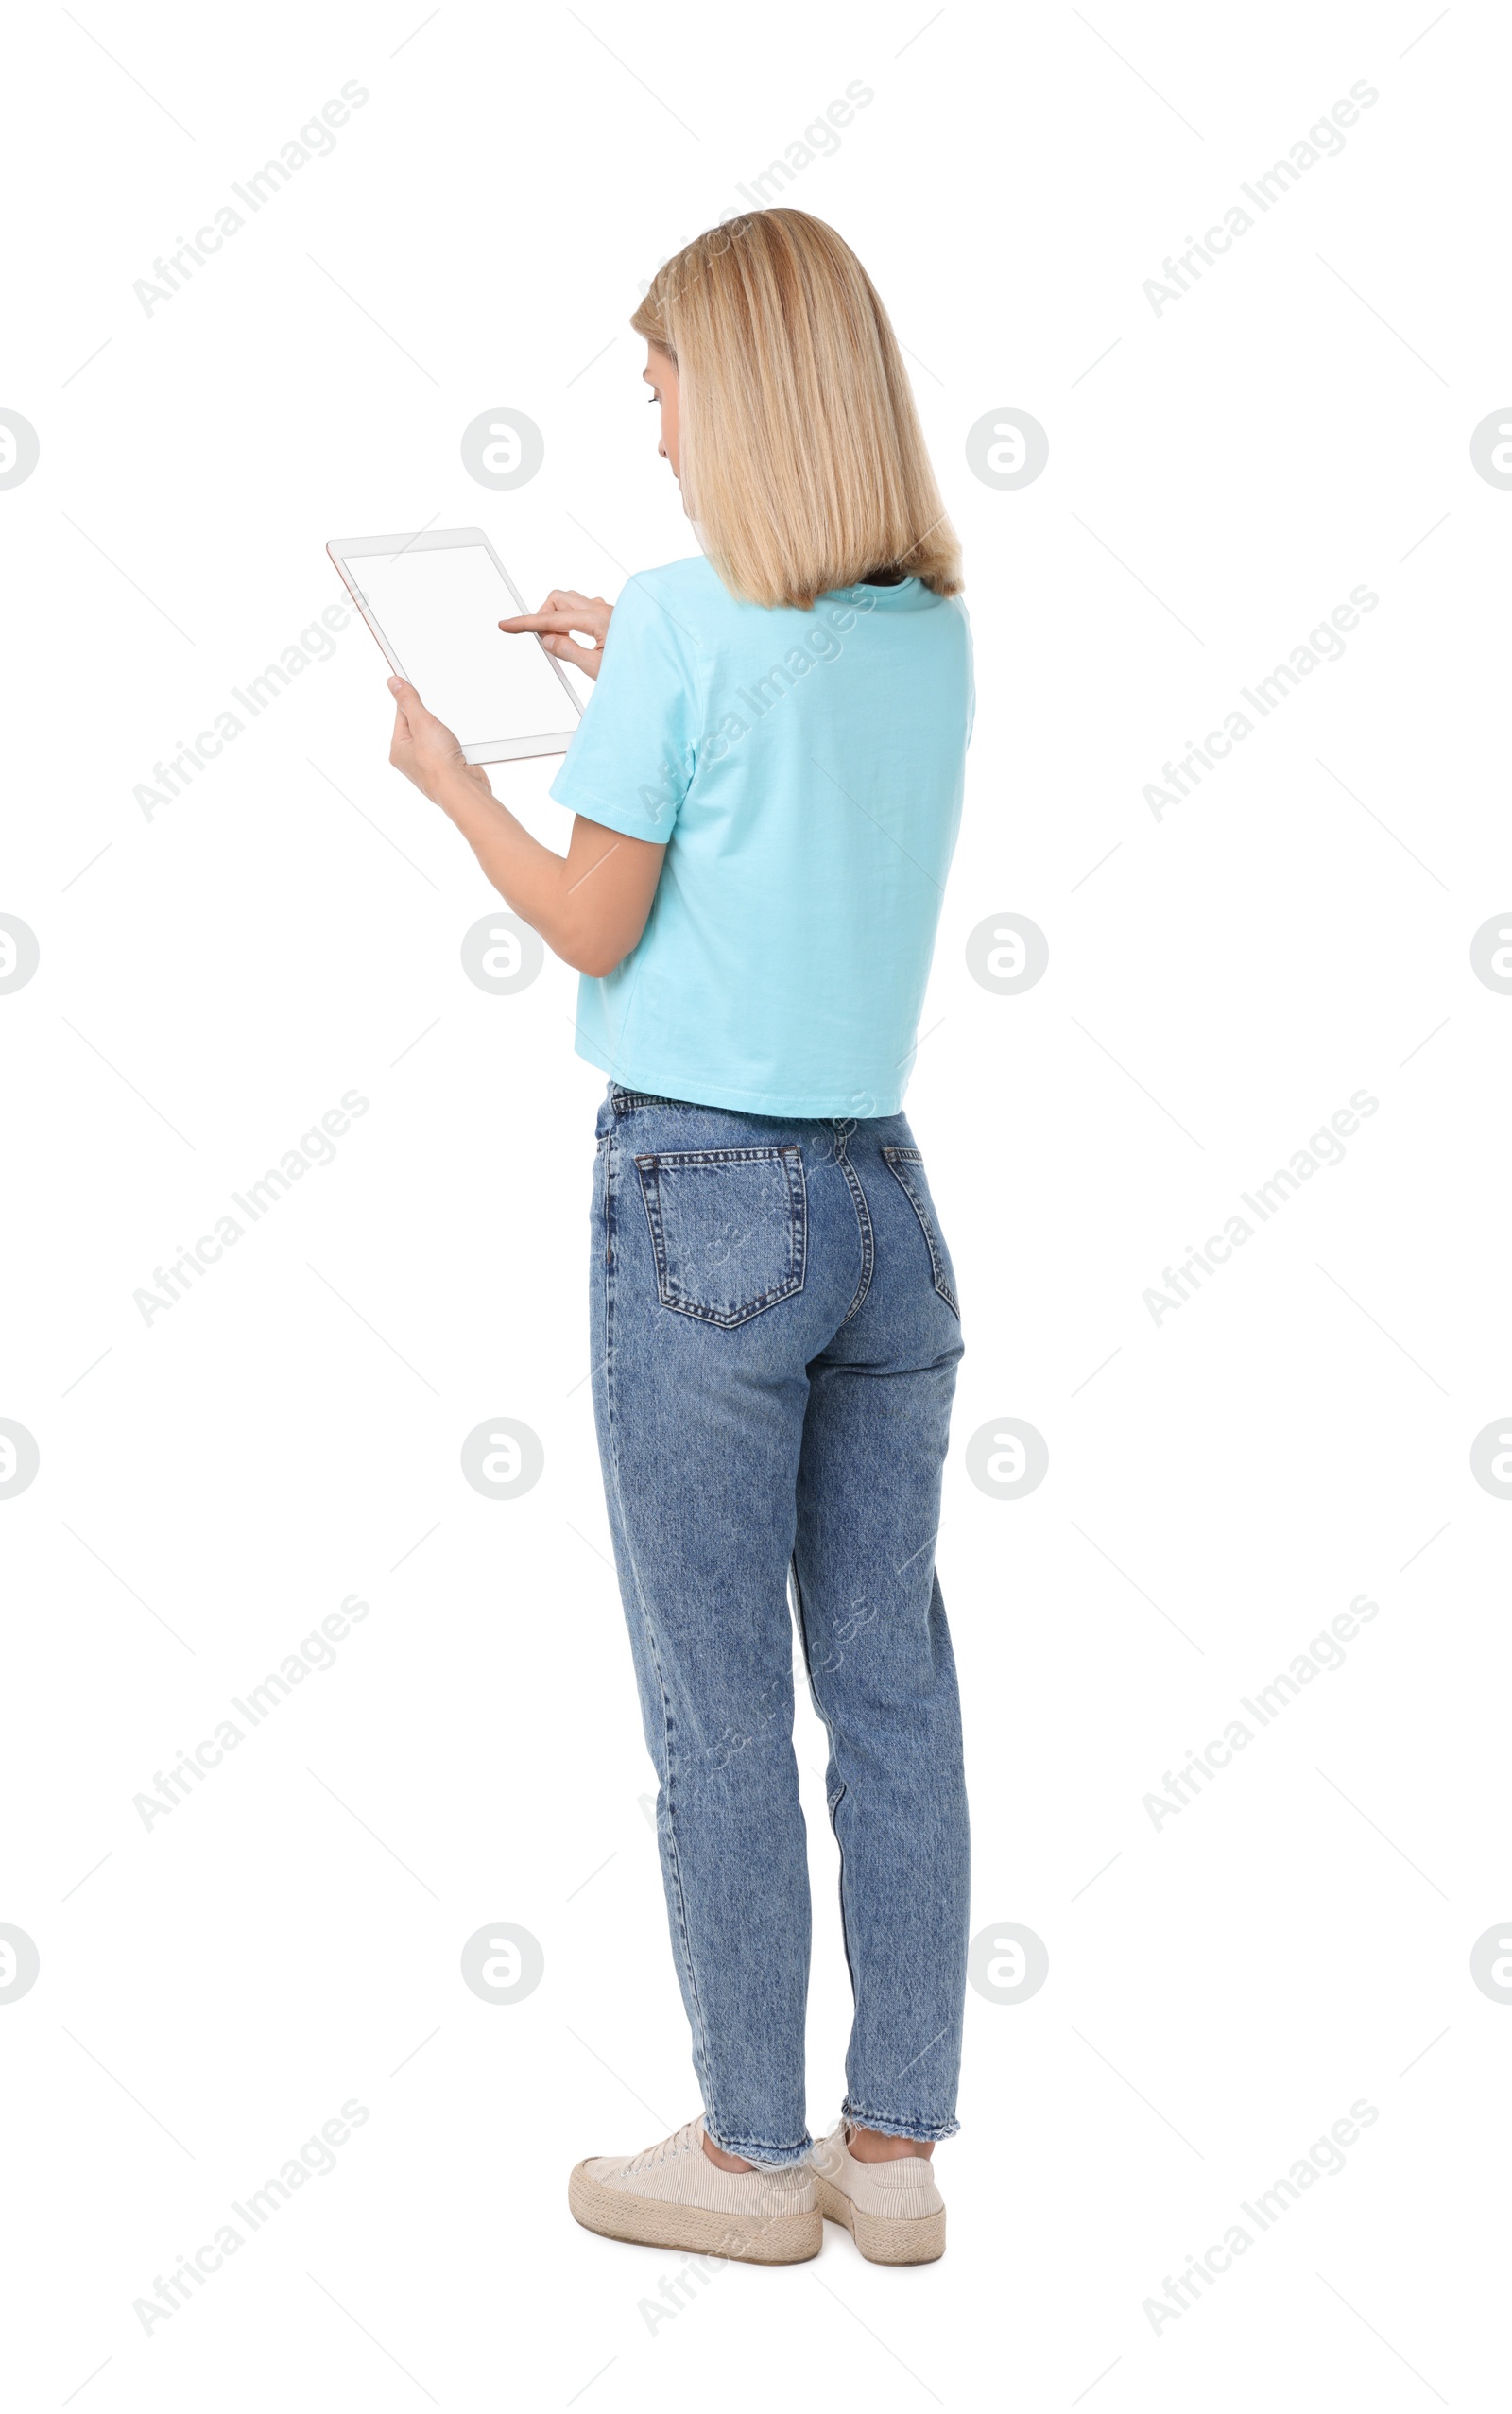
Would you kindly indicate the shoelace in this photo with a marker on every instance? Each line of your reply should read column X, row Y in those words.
column 678, row 2143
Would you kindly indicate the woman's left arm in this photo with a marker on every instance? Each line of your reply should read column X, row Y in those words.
column 590, row 906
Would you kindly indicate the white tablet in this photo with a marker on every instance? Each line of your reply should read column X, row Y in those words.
column 433, row 601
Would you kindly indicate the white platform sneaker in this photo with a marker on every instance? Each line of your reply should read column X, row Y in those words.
column 672, row 2195
column 893, row 2210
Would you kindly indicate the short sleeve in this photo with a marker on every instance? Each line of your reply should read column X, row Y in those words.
column 632, row 760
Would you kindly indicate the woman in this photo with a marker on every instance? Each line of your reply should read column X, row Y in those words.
column 767, row 787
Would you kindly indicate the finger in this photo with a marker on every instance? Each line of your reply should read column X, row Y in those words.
column 559, row 624
column 584, row 657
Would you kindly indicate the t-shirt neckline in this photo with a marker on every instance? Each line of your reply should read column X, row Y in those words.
column 908, row 586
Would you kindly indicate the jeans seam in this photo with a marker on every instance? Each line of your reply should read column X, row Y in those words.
column 840, row 1794
column 863, row 1221
column 701, row 2057
column 892, row 1158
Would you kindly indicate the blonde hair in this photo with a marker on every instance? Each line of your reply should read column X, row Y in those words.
column 802, row 462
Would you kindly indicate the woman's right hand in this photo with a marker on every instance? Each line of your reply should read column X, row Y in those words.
column 563, row 611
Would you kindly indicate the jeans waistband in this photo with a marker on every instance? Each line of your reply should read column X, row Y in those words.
column 620, row 1101
column 624, row 1100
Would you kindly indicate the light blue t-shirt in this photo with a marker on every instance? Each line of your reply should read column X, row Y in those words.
column 804, row 770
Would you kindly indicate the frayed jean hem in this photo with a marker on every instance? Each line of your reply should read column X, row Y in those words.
column 926, row 2132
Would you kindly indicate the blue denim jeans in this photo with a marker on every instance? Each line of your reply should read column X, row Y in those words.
column 775, row 1340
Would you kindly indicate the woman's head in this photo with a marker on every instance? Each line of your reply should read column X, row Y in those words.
column 794, row 433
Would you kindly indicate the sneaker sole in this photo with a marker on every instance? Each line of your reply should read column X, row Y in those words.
column 881, row 2238
column 649, row 2221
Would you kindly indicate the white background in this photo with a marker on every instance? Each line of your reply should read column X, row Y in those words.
column 1221, row 1483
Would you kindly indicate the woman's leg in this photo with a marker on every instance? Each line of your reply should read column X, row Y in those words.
column 879, row 1652
column 712, row 1234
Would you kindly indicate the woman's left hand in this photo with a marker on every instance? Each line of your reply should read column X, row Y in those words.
column 424, row 748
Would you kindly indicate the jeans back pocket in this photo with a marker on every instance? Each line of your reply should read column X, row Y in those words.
column 728, row 1229
column 907, row 1166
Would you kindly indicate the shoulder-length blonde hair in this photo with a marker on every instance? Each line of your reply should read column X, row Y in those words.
column 801, row 459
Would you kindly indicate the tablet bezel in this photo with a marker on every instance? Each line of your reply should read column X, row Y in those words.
column 343, row 550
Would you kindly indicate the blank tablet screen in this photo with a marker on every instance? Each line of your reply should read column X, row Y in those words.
column 439, row 609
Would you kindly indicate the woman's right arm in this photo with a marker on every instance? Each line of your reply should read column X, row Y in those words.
column 590, row 906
